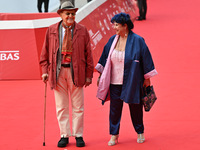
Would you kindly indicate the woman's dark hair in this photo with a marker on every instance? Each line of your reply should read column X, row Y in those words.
column 123, row 18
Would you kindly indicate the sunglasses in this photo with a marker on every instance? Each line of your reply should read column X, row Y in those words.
column 68, row 13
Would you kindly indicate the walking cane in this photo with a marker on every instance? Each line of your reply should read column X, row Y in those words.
column 45, row 110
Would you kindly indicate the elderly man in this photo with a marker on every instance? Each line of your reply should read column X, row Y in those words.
column 66, row 62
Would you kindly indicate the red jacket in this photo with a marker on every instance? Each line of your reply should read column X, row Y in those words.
column 82, row 61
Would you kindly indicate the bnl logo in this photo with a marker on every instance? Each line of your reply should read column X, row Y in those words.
column 9, row 55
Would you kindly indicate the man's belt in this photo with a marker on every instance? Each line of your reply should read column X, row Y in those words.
column 65, row 65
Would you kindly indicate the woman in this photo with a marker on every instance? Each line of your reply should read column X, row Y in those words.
column 125, row 66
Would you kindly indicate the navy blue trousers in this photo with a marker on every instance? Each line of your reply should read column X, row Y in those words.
column 116, row 105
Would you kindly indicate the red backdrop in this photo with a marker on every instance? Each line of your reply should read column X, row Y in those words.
column 20, row 45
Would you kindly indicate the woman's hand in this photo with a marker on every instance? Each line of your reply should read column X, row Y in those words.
column 147, row 82
column 98, row 80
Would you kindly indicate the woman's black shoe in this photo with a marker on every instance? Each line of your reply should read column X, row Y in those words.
column 63, row 142
column 79, row 142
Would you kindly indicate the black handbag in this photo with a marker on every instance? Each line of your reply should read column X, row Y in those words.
column 149, row 98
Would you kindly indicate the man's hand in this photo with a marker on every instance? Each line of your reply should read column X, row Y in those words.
column 88, row 82
column 45, row 77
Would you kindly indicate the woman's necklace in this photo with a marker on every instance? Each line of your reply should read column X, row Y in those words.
column 121, row 43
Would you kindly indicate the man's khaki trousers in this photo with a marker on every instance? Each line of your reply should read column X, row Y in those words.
column 64, row 89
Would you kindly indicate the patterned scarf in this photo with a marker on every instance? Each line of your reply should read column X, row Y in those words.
column 67, row 45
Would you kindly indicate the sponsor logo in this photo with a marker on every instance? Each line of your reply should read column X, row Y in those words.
column 9, row 55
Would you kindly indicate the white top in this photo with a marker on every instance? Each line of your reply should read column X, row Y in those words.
column 117, row 67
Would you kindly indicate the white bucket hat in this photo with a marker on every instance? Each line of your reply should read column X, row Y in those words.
column 67, row 5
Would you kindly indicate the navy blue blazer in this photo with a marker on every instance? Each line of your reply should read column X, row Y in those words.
column 138, row 65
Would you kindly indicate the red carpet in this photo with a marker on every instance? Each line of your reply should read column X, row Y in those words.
column 172, row 34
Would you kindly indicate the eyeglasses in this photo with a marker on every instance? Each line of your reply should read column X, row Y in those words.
column 68, row 13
